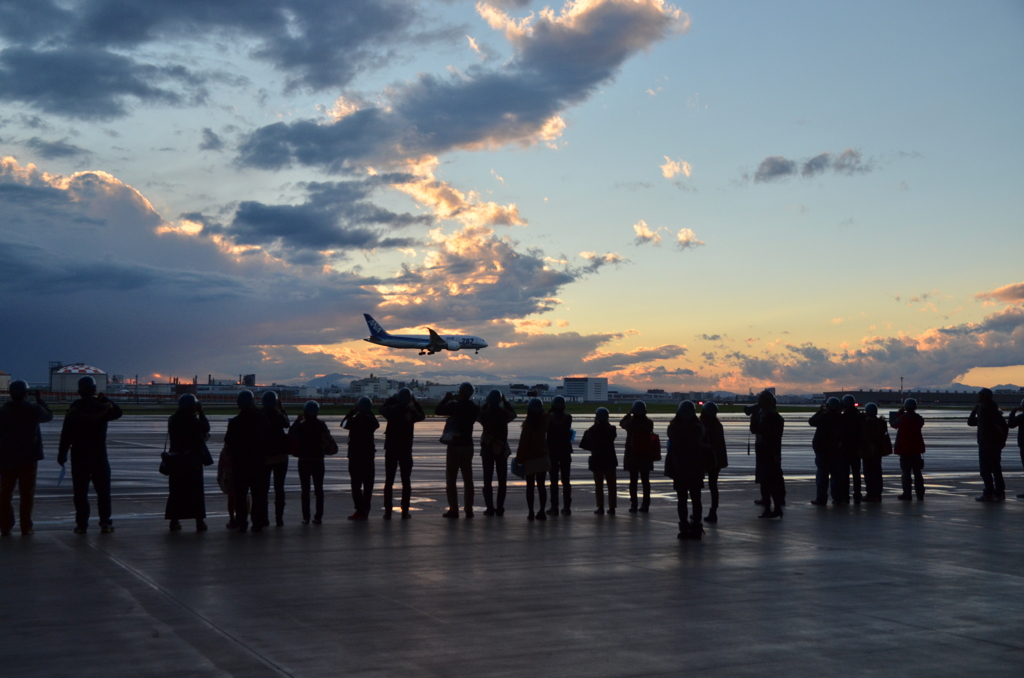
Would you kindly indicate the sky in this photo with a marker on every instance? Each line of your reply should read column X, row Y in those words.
column 690, row 196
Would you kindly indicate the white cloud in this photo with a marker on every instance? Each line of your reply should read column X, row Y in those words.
column 687, row 239
column 645, row 235
column 674, row 167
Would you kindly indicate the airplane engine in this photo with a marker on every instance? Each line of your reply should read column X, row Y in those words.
column 453, row 345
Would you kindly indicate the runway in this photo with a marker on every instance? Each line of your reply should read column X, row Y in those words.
column 893, row 589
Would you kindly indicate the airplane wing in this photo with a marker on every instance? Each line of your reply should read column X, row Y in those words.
column 436, row 342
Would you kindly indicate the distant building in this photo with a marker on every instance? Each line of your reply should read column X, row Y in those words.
column 586, row 389
column 373, row 387
column 5, row 382
column 64, row 379
column 483, row 389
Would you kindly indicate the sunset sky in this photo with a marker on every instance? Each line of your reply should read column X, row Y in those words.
column 702, row 195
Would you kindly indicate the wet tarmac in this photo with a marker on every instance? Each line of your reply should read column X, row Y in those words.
column 931, row 588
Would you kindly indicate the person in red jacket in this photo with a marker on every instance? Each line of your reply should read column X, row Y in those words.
column 910, row 447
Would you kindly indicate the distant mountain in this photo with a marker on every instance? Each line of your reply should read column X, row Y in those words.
column 328, row 380
column 975, row 389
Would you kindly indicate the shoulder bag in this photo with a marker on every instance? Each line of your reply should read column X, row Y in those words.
column 450, row 435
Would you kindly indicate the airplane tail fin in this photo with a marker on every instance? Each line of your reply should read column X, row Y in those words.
column 375, row 329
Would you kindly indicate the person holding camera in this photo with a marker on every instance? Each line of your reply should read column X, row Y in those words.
column 84, row 435
column 311, row 441
column 876, row 435
column 717, row 455
column 462, row 414
column 246, row 443
column 187, row 432
column 639, row 458
column 532, row 453
column 402, row 412
column 767, row 424
column 277, row 455
column 599, row 440
column 494, row 418
column 362, row 453
column 909, row 447
column 828, row 458
column 992, row 433
column 21, row 450
column 560, row 453
column 852, row 446
column 685, row 463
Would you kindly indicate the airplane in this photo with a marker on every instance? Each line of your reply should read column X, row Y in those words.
column 427, row 345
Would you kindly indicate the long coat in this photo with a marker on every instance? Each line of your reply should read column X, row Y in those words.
column 187, row 435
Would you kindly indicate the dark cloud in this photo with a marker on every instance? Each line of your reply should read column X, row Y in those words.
column 936, row 358
column 816, row 165
column 559, row 61
column 774, row 167
column 596, row 262
column 608, row 362
column 336, row 216
column 38, row 271
column 318, row 44
column 634, row 186
column 88, row 83
column 211, row 142
column 851, row 162
column 710, row 337
column 55, row 149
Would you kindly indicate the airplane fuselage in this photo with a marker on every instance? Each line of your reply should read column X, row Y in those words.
column 453, row 342
column 429, row 344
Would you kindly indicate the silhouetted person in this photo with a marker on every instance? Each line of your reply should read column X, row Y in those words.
column 877, row 445
column 402, row 411
column 246, row 441
column 21, row 450
column 362, row 451
column 560, row 453
column 717, row 456
column 494, row 419
column 768, row 425
column 85, row 435
column 599, row 440
column 462, row 413
column 754, row 412
column 992, row 434
column 277, row 454
column 226, row 482
column 187, row 433
column 828, row 458
column 1017, row 421
column 685, row 462
column 853, row 444
column 638, row 459
column 909, row 447
column 532, row 453
column 311, row 440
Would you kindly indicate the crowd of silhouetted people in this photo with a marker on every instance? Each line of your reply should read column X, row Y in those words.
column 849, row 444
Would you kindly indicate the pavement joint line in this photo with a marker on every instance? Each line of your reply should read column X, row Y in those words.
column 212, row 625
column 947, row 632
